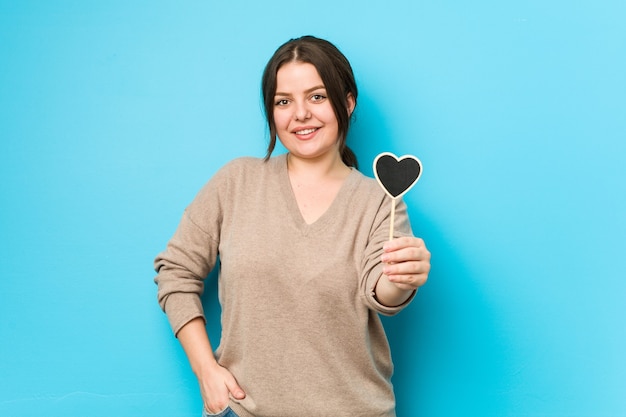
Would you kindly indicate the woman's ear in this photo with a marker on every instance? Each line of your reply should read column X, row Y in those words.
column 351, row 104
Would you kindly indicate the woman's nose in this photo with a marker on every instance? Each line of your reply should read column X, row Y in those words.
column 301, row 112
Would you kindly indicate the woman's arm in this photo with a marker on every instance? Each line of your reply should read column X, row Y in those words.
column 216, row 382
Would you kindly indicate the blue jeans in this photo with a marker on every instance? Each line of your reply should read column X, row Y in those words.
column 225, row 413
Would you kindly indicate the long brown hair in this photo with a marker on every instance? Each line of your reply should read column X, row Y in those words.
column 336, row 74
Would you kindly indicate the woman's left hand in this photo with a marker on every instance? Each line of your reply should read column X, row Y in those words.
column 407, row 262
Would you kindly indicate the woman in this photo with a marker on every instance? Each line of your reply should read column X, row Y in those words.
column 305, row 265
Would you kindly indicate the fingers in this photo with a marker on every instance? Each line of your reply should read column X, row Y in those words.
column 407, row 268
column 408, row 282
column 408, row 274
column 217, row 389
column 235, row 390
column 216, row 403
column 403, row 242
column 405, row 249
column 407, row 262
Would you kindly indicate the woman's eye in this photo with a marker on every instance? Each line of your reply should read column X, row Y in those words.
column 282, row 102
column 317, row 97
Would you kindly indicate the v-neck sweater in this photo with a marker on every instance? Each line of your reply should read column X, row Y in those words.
column 301, row 330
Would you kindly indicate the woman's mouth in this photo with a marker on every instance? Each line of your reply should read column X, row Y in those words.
column 305, row 131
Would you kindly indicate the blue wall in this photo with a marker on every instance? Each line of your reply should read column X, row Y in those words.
column 114, row 113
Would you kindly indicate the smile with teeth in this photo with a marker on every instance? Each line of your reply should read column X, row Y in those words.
column 305, row 131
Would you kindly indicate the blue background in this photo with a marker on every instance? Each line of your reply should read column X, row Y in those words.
column 114, row 113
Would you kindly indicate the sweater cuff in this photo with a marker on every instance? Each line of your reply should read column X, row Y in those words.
column 386, row 310
column 376, row 305
column 181, row 308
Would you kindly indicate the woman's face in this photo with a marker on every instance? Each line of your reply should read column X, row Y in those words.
column 305, row 121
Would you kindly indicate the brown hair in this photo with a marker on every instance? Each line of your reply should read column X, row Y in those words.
column 336, row 74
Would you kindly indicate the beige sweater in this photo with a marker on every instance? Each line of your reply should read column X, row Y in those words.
column 300, row 325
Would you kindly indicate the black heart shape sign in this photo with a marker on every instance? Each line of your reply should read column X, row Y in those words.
column 397, row 175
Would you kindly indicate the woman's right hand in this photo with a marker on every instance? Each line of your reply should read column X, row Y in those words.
column 217, row 385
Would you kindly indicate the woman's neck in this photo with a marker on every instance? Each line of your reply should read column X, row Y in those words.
column 313, row 170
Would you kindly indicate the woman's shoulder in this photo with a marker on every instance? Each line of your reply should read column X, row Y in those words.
column 228, row 178
column 236, row 168
column 243, row 170
column 251, row 163
column 368, row 185
column 241, row 163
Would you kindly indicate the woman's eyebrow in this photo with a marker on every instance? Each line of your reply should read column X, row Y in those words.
column 307, row 91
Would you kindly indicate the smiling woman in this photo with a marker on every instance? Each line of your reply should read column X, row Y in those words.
column 333, row 74
column 304, row 117
column 315, row 273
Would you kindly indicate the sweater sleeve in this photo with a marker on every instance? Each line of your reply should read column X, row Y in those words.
column 191, row 254
column 372, row 265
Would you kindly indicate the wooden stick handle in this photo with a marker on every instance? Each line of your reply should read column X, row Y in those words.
column 393, row 218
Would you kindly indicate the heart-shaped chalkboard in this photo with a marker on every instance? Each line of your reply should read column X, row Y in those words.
column 397, row 175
